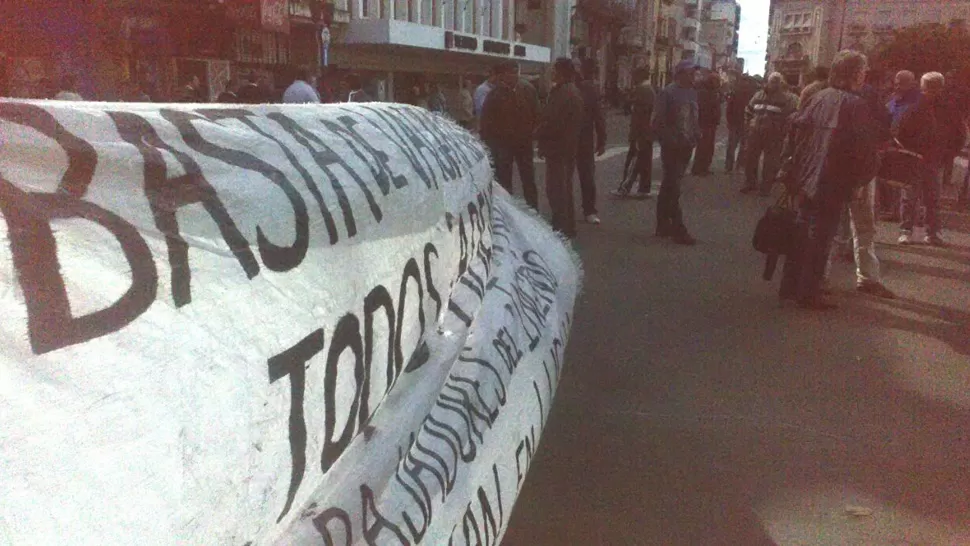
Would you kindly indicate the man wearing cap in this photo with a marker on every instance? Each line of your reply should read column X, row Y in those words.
column 676, row 126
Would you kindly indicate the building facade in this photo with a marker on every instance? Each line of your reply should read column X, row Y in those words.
column 720, row 30
column 806, row 33
column 109, row 45
column 399, row 44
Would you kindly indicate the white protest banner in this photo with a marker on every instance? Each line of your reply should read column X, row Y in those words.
column 266, row 325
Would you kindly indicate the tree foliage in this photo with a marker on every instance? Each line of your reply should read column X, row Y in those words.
column 927, row 48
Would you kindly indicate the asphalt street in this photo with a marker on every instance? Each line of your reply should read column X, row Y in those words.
column 695, row 410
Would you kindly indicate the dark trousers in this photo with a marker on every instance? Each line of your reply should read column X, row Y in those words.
column 770, row 145
column 559, row 191
column 644, row 165
column 926, row 189
column 670, row 218
column 815, row 227
column 586, row 170
column 735, row 144
column 641, row 154
column 520, row 154
column 704, row 155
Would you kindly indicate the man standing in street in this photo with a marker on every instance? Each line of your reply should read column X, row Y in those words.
column 709, row 117
column 767, row 119
column 508, row 123
column 301, row 91
column 675, row 125
column 919, row 131
column 835, row 155
column 737, row 101
column 591, row 139
column 641, row 136
column 558, row 134
column 355, row 86
column 819, row 82
column 465, row 114
column 482, row 91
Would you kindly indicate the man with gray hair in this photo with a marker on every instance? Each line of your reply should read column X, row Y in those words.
column 766, row 118
column 833, row 155
column 918, row 131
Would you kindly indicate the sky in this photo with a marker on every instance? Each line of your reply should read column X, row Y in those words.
column 753, row 36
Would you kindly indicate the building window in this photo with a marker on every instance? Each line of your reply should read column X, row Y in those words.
column 427, row 13
column 506, row 19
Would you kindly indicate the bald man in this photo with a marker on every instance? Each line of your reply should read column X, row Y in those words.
column 767, row 120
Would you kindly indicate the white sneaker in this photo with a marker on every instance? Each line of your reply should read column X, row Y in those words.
column 905, row 238
column 619, row 193
column 592, row 219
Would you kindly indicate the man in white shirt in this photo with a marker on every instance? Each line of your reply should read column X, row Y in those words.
column 301, row 91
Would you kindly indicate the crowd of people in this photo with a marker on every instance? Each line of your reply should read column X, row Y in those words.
column 843, row 144
column 825, row 144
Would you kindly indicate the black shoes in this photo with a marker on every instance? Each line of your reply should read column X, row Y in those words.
column 876, row 289
column 684, row 239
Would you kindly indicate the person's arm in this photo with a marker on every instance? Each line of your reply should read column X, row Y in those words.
column 749, row 109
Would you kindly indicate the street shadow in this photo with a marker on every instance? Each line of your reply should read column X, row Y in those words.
column 951, row 326
column 955, row 253
column 927, row 270
column 691, row 401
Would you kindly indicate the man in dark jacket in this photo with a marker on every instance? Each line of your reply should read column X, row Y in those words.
column 675, row 125
column 767, row 119
column 918, row 130
column 592, row 138
column 508, row 121
column 737, row 102
column 640, row 138
column 558, row 134
column 708, row 117
column 834, row 155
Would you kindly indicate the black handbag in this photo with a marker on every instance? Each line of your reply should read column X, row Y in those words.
column 774, row 235
column 899, row 167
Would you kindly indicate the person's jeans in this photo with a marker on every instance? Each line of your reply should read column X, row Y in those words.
column 559, row 191
column 928, row 189
column 805, row 267
column 704, row 155
column 520, row 154
column 769, row 144
column 735, row 138
column 862, row 220
column 586, row 170
column 670, row 217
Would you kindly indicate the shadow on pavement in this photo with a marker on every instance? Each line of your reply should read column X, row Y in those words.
column 691, row 403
